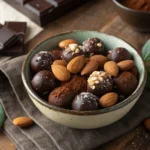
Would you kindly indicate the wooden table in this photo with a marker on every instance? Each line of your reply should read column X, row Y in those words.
column 95, row 15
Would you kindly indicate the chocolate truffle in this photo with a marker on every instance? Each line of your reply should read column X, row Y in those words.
column 85, row 101
column 43, row 82
column 56, row 54
column 126, row 83
column 64, row 95
column 41, row 61
column 73, row 50
column 93, row 46
column 119, row 54
column 100, row 83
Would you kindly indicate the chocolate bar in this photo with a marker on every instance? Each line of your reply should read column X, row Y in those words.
column 18, row 48
column 44, row 11
column 7, row 37
column 22, row 2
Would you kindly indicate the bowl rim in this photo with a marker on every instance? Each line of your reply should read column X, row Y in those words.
column 129, row 9
column 38, row 99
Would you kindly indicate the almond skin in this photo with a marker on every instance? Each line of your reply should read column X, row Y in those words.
column 60, row 72
column 89, row 68
column 60, row 62
column 23, row 121
column 65, row 43
column 147, row 124
column 125, row 65
column 76, row 64
column 112, row 68
column 108, row 99
column 101, row 60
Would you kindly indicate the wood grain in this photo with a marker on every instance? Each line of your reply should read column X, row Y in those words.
column 97, row 15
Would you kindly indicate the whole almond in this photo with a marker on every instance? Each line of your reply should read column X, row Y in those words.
column 76, row 64
column 65, row 43
column 23, row 121
column 108, row 99
column 101, row 60
column 60, row 62
column 89, row 68
column 61, row 72
column 112, row 68
column 147, row 124
column 125, row 65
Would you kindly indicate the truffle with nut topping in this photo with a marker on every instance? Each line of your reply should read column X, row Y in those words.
column 41, row 61
column 73, row 50
column 93, row 46
column 85, row 101
column 99, row 83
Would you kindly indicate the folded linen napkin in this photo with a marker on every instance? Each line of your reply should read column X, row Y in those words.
column 46, row 134
column 8, row 13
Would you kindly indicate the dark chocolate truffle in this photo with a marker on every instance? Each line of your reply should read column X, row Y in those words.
column 73, row 50
column 43, row 82
column 126, row 83
column 41, row 61
column 100, row 83
column 93, row 46
column 119, row 54
column 56, row 54
column 61, row 97
column 64, row 95
column 85, row 101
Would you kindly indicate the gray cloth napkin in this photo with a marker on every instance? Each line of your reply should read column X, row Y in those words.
column 48, row 135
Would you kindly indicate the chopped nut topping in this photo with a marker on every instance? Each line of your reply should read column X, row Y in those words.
column 99, row 44
column 98, row 77
column 73, row 47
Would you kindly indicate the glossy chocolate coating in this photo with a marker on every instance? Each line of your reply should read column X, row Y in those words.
column 56, row 54
column 43, row 82
column 126, row 83
column 119, row 54
column 85, row 101
column 41, row 61
column 93, row 46
column 68, row 54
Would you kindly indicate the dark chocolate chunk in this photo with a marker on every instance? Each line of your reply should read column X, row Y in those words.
column 39, row 6
column 57, row 3
column 1, row 25
column 18, row 48
column 7, row 37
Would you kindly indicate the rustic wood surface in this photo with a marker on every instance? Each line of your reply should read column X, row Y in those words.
column 96, row 15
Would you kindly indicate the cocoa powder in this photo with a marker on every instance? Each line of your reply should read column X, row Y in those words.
column 142, row 5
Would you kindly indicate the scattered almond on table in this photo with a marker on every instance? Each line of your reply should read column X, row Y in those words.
column 23, row 121
column 147, row 124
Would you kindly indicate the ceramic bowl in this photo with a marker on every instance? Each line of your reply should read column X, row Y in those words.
column 84, row 119
column 137, row 19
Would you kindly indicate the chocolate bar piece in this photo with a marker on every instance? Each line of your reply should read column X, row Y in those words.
column 18, row 48
column 44, row 11
column 7, row 37
column 39, row 6
column 22, row 2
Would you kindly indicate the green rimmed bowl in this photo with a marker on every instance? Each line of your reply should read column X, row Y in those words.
column 84, row 119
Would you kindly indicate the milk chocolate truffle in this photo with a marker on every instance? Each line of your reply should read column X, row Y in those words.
column 41, row 61
column 126, row 83
column 119, row 54
column 56, row 54
column 43, row 82
column 100, row 83
column 85, row 101
column 93, row 46
column 73, row 50
column 64, row 95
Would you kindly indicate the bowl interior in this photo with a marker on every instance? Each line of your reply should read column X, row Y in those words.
column 111, row 42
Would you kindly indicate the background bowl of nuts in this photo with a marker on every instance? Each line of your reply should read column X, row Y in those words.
column 84, row 79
